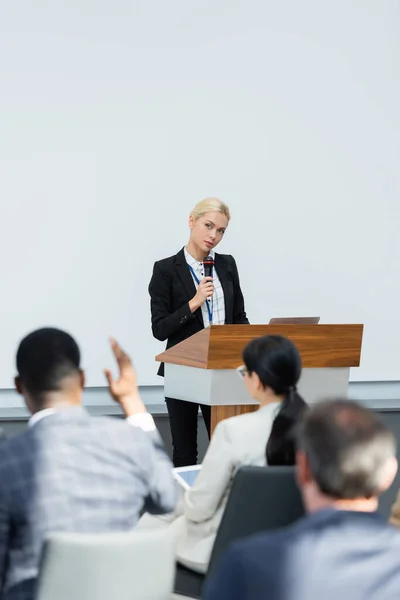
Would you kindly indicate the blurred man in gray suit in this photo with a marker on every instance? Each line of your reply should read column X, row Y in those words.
column 69, row 471
column 343, row 550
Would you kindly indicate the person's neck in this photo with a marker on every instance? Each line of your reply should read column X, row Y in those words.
column 195, row 252
column 55, row 400
column 268, row 397
column 315, row 501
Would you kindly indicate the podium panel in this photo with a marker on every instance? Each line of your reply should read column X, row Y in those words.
column 222, row 387
column 202, row 369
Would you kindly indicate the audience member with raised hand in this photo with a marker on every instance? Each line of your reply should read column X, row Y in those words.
column 124, row 390
column 271, row 370
column 343, row 549
column 69, row 471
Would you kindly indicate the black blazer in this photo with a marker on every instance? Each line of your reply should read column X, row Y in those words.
column 172, row 286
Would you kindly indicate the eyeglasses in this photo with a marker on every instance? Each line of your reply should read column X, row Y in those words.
column 242, row 371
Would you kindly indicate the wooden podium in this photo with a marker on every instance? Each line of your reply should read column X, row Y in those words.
column 202, row 368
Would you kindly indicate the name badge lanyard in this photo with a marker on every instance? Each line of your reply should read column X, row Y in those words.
column 208, row 302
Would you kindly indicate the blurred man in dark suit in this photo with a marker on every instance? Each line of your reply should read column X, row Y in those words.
column 342, row 550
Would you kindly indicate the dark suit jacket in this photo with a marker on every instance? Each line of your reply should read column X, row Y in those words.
column 73, row 472
column 330, row 555
column 171, row 287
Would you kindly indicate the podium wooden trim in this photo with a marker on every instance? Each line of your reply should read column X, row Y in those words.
column 208, row 358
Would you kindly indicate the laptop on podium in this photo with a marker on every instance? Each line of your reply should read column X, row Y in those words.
column 295, row 321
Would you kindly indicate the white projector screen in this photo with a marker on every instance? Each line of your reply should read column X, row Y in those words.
column 117, row 116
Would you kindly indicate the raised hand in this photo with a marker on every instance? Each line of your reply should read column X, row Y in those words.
column 124, row 390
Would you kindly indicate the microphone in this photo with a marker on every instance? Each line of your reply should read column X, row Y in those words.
column 208, row 264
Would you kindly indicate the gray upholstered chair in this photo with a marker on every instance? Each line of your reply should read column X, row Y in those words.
column 115, row 566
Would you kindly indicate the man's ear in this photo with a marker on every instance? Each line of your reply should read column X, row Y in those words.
column 388, row 474
column 303, row 472
column 82, row 378
column 18, row 385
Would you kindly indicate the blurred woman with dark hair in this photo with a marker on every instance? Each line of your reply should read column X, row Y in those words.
column 271, row 370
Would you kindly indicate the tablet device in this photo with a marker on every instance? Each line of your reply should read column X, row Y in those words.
column 186, row 476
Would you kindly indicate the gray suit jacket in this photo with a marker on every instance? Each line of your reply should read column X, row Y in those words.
column 74, row 472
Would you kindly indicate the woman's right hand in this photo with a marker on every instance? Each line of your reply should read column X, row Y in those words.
column 204, row 291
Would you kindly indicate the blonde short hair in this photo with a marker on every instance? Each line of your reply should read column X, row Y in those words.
column 210, row 205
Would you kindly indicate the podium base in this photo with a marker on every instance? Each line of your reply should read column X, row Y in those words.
column 227, row 395
column 219, row 413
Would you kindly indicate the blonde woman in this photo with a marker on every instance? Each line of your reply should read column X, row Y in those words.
column 183, row 302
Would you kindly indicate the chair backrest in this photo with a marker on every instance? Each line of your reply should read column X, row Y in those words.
column 116, row 566
column 261, row 498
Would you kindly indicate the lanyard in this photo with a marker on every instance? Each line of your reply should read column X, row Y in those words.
column 209, row 308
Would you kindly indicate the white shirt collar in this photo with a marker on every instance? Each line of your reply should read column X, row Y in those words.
column 192, row 261
column 41, row 414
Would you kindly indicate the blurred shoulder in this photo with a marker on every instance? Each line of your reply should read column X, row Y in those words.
column 15, row 449
column 248, row 422
column 263, row 550
column 118, row 426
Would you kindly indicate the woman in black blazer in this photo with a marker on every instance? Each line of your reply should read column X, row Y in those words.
column 183, row 302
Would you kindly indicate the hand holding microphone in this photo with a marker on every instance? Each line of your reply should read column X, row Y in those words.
column 205, row 289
